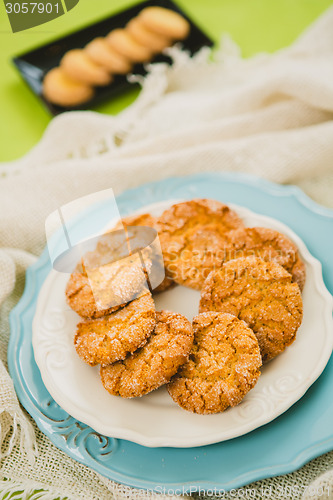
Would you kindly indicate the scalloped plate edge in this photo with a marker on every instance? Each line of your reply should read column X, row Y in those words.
column 182, row 442
column 301, row 457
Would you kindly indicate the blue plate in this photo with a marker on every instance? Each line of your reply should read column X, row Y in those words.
column 299, row 435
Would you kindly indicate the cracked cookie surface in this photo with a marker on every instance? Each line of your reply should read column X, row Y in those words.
column 192, row 236
column 269, row 245
column 155, row 363
column 112, row 337
column 109, row 276
column 150, row 221
column 103, row 289
column 81, row 299
column 223, row 365
column 260, row 293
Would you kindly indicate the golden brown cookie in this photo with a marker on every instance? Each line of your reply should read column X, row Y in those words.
column 223, row 365
column 80, row 298
column 139, row 220
column 298, row 272
column 144, row 36
column 101, row 53
column 112, row 337
column 267, row 244
column 165, row 22
column 192, row 236
column 150, row 221
column 154, row 364
column 260, row 293
column 111, row 275
column 107, row 280
column 62, row 90
column 78, row 65
column 119, row 242
column 123, row 43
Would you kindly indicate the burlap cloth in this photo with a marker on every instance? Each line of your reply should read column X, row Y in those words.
column 270, row 115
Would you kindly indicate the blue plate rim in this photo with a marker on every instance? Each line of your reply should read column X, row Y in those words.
column 300, row 458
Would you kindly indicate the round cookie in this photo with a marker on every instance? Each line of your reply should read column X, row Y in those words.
column 269, row 245
column 80, row 298
column 123, row 43
column 260, row 293
column 101, row 53
column 60, row 89
column 115, row 277
column 165, row 22
column 112, row 337
column 192, row 236
column 77, row 64
column 150, row 221
column 155, row 363
column 223, row 365
column 154, row 42
column 139, row 220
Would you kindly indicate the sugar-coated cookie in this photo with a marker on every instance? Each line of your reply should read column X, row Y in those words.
column 150, row 221
column 62, row 90
column 155, row 363
column 223, row 365
column 100, row 51
column 153, row 41
column 78, row 65
column 112, row 337
column 81, row 299
column 108, row 279
column 192, row 236
column 165, row 22
column 269, row 245
column 260, row 293
column 123, row 42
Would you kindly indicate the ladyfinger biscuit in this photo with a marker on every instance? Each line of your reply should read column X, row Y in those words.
column 101, row 53
column 62, row 90
column 124, row 44
column 78, row 65
column 146, row 37
column 165, row 22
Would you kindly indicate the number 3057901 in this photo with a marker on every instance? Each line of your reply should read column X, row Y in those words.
column 31, row 7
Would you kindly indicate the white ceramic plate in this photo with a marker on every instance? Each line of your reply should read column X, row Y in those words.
column 154, row 419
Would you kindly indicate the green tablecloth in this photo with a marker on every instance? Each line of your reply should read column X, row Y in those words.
column 256, row 25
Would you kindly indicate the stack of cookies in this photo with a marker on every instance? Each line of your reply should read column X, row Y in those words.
column 250, row 281
column 81, row 70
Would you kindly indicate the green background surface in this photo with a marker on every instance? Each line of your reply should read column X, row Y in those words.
column 256, row 25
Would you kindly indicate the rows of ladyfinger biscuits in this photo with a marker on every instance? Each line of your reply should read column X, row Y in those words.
column 73, row 82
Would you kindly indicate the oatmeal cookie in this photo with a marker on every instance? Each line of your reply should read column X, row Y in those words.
column 192, row 236
column 154, row 364
column 267, row 244
column 260, row 293
column 112, row 337
column 223, row 365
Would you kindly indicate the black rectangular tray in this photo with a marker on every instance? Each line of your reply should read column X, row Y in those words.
column 34, row 65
